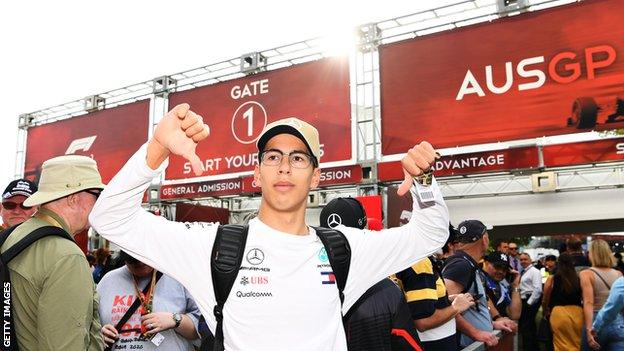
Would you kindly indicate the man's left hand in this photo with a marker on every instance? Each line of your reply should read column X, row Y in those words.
column 416, row 161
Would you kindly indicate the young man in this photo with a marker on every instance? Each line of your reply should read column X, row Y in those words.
column 13, row 210
column 295, row 303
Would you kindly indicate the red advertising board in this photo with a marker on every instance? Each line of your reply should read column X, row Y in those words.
column 479, row 162
column 329, row 177
column 584, row 152
column 372, row 207
column 238, row 110
column 109, row 136
column 513, row 78
column 201, row 189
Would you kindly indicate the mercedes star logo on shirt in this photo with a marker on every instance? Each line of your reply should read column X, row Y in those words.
column 334, row 220
column 255, row 256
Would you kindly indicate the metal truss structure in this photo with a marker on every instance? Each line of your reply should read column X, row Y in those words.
column 365, row 96
column 606, row 176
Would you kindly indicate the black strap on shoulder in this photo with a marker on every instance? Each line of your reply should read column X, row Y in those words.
column 227, row 256
column 5, row 234
column 339, row 254
column 10, row 337
column 37, row 234
column 473, row 271
column 133, row 307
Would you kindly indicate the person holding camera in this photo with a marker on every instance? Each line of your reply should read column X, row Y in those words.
column 502, row 285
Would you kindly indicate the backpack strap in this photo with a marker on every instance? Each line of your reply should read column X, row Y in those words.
column 5, row 234
column 37, row 234
column 227, row 256
column 339, row 254
column 10, row 344
column 473, row 271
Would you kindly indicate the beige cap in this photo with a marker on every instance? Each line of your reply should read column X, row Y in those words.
column 65, row 175
column 294, row 126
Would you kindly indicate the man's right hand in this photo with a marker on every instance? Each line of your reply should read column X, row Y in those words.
column 516, row 278
column 489, row 339
column 462, row 302
column 109, row 334
column 178, row 132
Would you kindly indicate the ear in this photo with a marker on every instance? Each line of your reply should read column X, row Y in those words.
column 72, row 200
column 316, row 178
column 257, row 176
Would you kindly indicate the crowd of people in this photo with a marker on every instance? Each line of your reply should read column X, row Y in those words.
column 423, row 286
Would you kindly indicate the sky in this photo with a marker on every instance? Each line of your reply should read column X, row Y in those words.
column 59, row 51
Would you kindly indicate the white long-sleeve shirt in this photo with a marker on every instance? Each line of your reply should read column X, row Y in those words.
column 531, row 284
column 283, row 298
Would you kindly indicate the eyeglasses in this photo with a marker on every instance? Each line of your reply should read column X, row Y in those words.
column 297, row 159
column 13, row 205
column 95, row 193
column 513, row 248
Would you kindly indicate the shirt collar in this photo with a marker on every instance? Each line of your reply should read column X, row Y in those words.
column 45, row 212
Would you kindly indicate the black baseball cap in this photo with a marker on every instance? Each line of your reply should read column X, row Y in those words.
column 470, row 231
column 343, row 210
column 453, row 234
column 498, row 259
column 22, row 187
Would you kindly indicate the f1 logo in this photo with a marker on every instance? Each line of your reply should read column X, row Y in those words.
column 83, row 144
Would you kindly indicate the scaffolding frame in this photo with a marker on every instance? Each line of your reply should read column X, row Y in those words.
column 364, row 67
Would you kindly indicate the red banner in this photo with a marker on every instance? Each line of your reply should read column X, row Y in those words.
column 201, row 189
column 329, row 177
column 238, row 110
column 509, row 79
column 479, row 162
column 584, row 152
column 340, row 175
column 109, row 136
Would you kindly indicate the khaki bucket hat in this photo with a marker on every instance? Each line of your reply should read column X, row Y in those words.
column 65, row 175
column 294, row 126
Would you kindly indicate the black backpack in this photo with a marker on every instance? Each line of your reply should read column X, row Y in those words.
column 10, row 340
column 226, row 259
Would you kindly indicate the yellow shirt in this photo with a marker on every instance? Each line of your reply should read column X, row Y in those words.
column 55, row 306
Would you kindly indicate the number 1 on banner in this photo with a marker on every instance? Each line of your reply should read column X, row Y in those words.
column 248, row 115
column 248, row 121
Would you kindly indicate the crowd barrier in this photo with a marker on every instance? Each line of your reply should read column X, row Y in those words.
column 507, row 342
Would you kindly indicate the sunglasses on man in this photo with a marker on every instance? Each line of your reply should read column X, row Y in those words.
column 94, row 192
column 8, row 205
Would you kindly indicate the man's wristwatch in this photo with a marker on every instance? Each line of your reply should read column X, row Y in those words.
column 177, row 318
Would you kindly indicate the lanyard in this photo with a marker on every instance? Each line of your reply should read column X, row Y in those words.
column 146, row 299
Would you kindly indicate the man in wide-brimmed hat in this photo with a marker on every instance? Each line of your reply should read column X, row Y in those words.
column 53, row 295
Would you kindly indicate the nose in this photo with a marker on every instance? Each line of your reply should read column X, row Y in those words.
column 284, row 166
